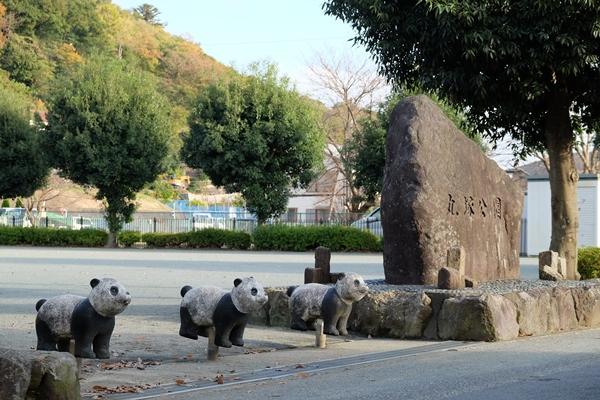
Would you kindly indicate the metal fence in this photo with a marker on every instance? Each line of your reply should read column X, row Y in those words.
column 178, row 222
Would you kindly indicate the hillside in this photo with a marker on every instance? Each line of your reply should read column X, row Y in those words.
column 40, row 40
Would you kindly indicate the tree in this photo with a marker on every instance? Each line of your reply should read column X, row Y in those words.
column 352, row 89
column 148, row 13
column 23, row 166
column 109, row 127
column 521, row 68
column 257, row 136
column 5, row 203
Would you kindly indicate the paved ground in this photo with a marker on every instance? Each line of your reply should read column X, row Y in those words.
column 147, row 330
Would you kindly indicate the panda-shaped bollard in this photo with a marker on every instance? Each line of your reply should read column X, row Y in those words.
column 88, row 320
column 208, row 307
column 333, row 304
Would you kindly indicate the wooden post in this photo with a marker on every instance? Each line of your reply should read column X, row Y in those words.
column 320, row 338
column 72, row 351
column 212, row 351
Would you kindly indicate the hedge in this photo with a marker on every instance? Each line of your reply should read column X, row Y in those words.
column 303, row 238
column 10, row 236
column 205, row 238
column 588, row 262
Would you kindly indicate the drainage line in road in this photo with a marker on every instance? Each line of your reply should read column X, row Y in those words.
column 287, row 371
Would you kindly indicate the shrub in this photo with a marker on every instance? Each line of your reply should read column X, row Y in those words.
column 588, row 262
column 128, row 238
column 52, row 237
column 303, row 238
column 205, row 238
column 5, row 203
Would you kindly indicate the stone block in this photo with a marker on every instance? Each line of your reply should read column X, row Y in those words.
column 547, row 273
column 38, row 375
column 450, row 278
column 391, row 314
column 441, row 191
column 549, row 258
column 314, row 275
column 455, row 259
column 482, row 318
column 323, row 259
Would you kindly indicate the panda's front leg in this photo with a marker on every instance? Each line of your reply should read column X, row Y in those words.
column 83, row 345
column 222, row 334
column 237, row 335
column 102, row 345
column 342, row 324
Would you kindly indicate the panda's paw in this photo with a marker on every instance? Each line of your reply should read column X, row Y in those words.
column 343, row 332
column 237, row 342
column 188, row 334
column 102, row 355
column 222, row 342
column 331, row 331
column 86, row 354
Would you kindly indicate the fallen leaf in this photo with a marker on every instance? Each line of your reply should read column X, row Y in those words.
column 220, row 379
column 299, row 366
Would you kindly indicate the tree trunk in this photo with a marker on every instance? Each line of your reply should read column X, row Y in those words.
column 111, row 242
column 563, row 184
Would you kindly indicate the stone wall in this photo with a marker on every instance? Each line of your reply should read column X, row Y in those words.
column 500, row 310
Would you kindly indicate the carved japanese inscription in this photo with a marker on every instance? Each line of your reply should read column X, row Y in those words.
column 440, row 191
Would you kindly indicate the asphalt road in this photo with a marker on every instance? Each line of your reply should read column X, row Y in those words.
column 560, row 367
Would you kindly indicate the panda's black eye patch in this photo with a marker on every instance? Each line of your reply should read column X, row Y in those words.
column 114, row 290
column 254, row 292
column 356, row 282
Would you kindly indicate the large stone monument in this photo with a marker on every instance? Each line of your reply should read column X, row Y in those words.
column 441, row 192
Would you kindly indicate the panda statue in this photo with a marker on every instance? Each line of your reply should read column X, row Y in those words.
column 333, row 304
column 88, row 320
column 205, row 307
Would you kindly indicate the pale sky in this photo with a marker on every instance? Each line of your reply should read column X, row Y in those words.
column 239, row 32
column 286, row 32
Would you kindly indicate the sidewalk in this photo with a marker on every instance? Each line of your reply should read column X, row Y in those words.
column 156, row 360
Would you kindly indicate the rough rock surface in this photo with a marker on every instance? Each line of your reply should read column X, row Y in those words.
column 493, row 311
column 450, row 278
column 483, row 318
column 397, row 315
column 38, row 375
column 547, row 273
column 440, row 191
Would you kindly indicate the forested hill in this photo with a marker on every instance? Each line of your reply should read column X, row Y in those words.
column 41, row 39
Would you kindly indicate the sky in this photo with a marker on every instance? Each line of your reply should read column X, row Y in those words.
column 239, row 32
column 287, row 32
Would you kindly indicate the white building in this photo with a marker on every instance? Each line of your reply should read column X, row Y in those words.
column 538, row 227
column 324, row 196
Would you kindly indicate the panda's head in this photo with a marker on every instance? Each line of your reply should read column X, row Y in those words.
column 351, row 287
column 108, row 296
column 248, row 295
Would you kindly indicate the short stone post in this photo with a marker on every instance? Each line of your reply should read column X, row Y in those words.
column 452, row 276
column 320, row 338
column 212, row 352
column 551, row 266
column 455, row 258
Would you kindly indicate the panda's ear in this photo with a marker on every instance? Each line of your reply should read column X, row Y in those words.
column 237, row 282
column 341, row 276
column 94, row 282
